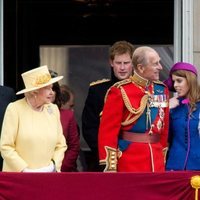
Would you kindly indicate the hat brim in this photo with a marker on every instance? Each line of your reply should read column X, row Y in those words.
column 53, row 80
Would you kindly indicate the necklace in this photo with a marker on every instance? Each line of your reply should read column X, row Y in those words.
column 38, row 109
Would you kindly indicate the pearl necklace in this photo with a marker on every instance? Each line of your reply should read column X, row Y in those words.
column 38, row 109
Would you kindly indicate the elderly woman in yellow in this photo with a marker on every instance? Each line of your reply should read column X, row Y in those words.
column 32, row 139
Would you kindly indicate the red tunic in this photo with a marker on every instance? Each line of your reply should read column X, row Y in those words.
column 140, row 157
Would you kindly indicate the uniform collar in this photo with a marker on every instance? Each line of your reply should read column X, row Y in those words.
column 140, row 80
column 114, row 79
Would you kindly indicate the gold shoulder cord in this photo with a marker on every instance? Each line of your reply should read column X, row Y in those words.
column 117, row 85
column 136, row 112
column 106, row 95
column 99, row 81
column 100, row 114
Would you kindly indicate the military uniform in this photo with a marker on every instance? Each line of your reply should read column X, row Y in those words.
column 134, row 126
column 91, row 117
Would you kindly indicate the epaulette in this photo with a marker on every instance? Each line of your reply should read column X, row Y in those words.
column 99, row 81
column 159, row 82
column 123, row 82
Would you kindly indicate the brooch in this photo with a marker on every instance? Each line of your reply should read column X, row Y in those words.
column 49, row 110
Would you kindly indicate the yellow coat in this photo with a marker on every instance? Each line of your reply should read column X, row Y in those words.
column 30, row 139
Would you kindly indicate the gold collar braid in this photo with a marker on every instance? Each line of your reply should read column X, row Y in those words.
column 134, row 113
column 139, row 80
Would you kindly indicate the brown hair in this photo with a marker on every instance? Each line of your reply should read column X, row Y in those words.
column 121, row 47
column 56, row 89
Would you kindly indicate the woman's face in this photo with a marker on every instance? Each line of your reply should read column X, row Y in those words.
column 180, row 85
column 45, row 95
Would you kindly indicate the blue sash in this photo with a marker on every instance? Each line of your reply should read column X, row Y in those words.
column 140, row 125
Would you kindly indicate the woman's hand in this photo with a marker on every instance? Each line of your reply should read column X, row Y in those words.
column 173, row 102
column 49, row 168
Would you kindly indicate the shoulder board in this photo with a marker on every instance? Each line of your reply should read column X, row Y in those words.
column 160, row 82
column 123, row 82
column 99, row 81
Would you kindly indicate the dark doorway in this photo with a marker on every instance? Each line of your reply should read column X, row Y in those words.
column 31, row 23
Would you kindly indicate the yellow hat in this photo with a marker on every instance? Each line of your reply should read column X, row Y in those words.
column 37, row 78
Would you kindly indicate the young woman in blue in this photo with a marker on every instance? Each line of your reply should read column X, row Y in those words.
column 184, row 123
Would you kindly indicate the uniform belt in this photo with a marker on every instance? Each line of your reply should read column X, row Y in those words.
column 140, row 137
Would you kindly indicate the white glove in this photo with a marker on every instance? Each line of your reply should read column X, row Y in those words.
column 49, row 168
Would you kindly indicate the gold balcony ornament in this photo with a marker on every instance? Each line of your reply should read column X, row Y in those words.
column 195, row 183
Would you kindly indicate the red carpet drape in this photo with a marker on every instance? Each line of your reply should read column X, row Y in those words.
column 97, row 186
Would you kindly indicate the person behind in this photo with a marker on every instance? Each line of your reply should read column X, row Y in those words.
column 120, row 59
column 35, row 141
column 134, row 125
column 69, row 96
column 7, row 95
column 69, row 103
column 184, row 123
column 69, row 125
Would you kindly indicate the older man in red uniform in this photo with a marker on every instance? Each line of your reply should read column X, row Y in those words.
column 134, row 125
